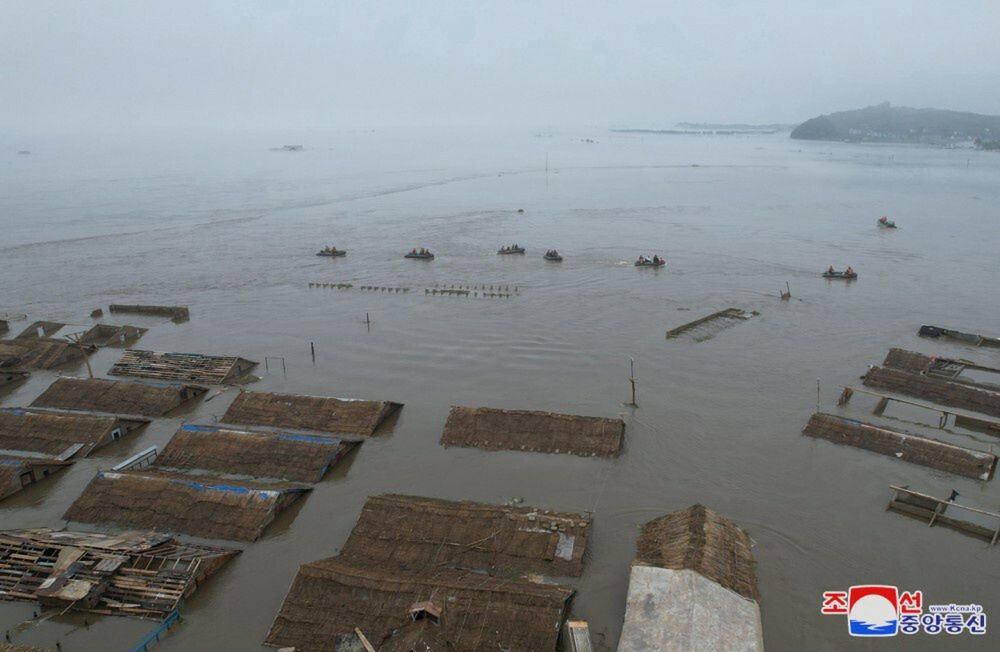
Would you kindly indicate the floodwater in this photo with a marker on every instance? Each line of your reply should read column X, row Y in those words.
column 229, row 228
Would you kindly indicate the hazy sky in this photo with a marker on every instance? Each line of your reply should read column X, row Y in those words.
column 102, row 64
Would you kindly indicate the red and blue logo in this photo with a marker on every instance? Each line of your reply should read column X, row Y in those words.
column 873, row 610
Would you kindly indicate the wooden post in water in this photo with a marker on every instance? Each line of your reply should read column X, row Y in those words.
column 631, row 380
column 817, row 394
column 312, row 349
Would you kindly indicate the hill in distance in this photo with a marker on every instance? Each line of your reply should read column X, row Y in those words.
column 899, row 124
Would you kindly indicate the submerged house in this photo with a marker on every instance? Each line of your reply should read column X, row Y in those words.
column 40, row 330
column 38, row 353
column 319, row 413
column 111, row 335
column 183, row 367
column 172, row 501
column 61, row 435
column 460, row 567
column 18, row 472
column 212, row 482
column 138, row 574
column 967, row 396
column 117, row 396
column 692, row 586
column 524, row 430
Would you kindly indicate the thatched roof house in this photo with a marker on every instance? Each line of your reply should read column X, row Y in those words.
column 33, row 353
column 116, row 396
column 61, row 434
column 182, row 367
column 692, row 586
column 176, row 313
column 144, row 575
column 16, row 472
column 544, row 432
column 198, row 505
column 937, row 390
column 287, row 456
column 40, row 330
column 321, row 413
column 901, row 445
column 111, row 335
column 413, row 532
column 331, row 597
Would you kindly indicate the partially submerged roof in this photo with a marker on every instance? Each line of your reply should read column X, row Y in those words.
column 176, row 313
column 698, row 539
column 544, row 432
column 414, row 532
column 322, row 413
column 10, row 376
column 198, row 505
column 40, row 329
column 37, row 353
column 332, row 597
column 116, row 396
column 129, row 574
column 18, row 472
column 288, row 456
column 936, row 390
column 182, row 367
column 54, row 433
column 692, row 586
column 901, row 445
column 110, row 334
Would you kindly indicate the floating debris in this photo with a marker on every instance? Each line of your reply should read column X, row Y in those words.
column 707, row 327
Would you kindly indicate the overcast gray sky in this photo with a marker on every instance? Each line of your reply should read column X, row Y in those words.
column 101, row 64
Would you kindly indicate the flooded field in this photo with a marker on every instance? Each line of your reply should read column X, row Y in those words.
column 230, row 229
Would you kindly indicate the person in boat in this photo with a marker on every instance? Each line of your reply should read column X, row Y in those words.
column 830, row 271
column 642, row 260
column 850, row 271
column 413, row 251
column 656, row 259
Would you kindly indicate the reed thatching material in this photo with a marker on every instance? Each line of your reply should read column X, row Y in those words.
column 10, row 647
column 16, row 473
column 110, row 335
column 176, row 313
column 936, row 390
column 52, row 433
column 420, row 635
column 4, row 326
column 901, row 445
column 707, row 327
column 287, row 456
column 542, row 432
column 908, row 361
column 698, row 539
column 182, row 367
column 143, row 575
column 321, row 413
column 117, row 396
column 40, row 330
column 329, row 598
column 198, row 505
column 425, row 533
column 37, row 353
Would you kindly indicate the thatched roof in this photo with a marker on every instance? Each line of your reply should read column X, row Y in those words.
column 13, row 469
column 116, row 396
column 10, row 647
column 901, row 445
column 425, row 533
column 182, row 367
column 37, row 353
column 303, row 458
column 904, row 360
column 544, row 432
column 936, row 390
column 176, row 313
column 329, row 598
column 141, row 574
column 110, row 334
column 52, row 433
column 698, row 539
column 199, row 505
column 417, row 636
column 322, row 413
column 40, row 329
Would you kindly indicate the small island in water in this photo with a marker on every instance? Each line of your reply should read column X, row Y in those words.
column 899, row 124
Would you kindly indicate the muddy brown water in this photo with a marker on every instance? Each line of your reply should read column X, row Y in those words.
column 229, row 228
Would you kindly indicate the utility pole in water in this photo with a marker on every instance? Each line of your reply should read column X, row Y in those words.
column 631, row 380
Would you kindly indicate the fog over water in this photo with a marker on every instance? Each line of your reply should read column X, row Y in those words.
column 153, row 179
